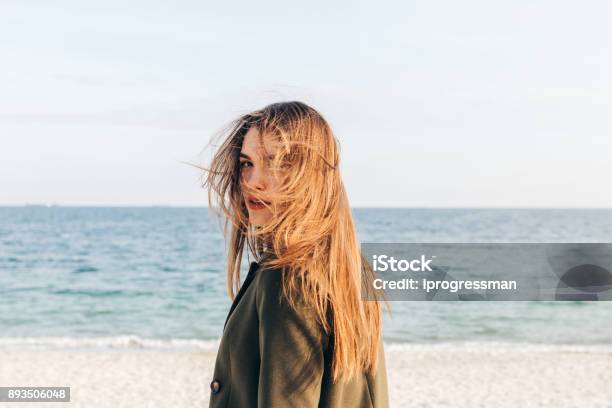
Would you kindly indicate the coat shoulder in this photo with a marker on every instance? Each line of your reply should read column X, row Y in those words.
column 272, row 302
column 269, row 285
column 269, row 278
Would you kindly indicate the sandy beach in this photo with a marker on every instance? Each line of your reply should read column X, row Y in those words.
column 419, row 376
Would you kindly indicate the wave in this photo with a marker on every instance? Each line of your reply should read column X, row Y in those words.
column 135, row 343
column 498, row 347
column 124, row 342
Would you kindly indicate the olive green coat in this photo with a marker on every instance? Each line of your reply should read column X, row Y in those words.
column 272, row 356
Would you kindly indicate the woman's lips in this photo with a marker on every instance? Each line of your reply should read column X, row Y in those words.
column 255, row 204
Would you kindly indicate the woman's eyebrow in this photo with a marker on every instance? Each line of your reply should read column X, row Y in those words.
column 246, row 156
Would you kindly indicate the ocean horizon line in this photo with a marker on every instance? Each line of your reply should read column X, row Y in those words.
column 177, row 206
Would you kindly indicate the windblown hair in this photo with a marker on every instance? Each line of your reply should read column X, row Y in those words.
column 311, row 234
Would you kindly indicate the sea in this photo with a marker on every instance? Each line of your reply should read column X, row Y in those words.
column 145, row 278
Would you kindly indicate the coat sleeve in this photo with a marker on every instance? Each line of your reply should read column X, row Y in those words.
column 291, row 348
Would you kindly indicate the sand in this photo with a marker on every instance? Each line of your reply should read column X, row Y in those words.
column 419, row 376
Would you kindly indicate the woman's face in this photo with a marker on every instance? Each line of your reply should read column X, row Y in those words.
column 257, row 176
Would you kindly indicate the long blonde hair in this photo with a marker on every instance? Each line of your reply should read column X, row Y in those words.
column 312, row 233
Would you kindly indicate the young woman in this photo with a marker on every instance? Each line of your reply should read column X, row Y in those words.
column 298, row 333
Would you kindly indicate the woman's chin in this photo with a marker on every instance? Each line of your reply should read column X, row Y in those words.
column 257, row 218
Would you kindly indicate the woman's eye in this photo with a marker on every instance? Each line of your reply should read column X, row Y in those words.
column 245, row 164
column 284, row 165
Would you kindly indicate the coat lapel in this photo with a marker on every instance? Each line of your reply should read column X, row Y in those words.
column 243, row 288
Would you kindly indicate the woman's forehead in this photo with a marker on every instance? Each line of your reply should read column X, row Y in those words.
column 264, row 146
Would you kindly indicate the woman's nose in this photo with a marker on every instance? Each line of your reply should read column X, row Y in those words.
column 256, row 179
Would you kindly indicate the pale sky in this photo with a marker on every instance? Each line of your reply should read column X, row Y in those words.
column 435, row 103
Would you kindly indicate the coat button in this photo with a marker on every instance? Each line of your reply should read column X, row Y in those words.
column 215, row 386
